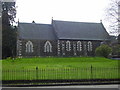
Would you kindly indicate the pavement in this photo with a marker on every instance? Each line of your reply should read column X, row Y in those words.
column 82, row 86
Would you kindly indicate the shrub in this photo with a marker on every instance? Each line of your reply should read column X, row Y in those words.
column 103, row 51
column 116, row 49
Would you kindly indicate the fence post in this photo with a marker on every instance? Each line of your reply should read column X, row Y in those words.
column 91, row 72
column 36, row 73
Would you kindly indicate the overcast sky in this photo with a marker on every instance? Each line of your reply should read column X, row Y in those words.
column 42, row 11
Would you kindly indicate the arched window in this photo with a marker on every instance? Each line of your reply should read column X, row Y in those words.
column 47, row 47
column 89, row 46
column 29, row 47
column 79, row 46
column 68, row 46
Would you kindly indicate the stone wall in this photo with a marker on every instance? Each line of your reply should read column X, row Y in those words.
column 38, row 48
column 74, row 52
column 58, row 48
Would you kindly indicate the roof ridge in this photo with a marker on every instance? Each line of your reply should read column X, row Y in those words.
column 33, row 23
column 77, row 22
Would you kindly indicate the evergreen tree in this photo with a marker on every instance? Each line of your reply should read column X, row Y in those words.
column 119, row 39
column 8, row 30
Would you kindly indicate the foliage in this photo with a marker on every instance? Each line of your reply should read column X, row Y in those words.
column 116, row 49
column 8, row 12
column 112, row 16
column 119, row 38
column 103, row 50
column 9, row 42
column 8, row 31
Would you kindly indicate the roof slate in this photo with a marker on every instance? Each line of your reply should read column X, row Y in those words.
column 63, row 30
column 36, row 31
column 80, row 30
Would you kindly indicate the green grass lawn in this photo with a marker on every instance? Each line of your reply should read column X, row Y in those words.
column 59, row 68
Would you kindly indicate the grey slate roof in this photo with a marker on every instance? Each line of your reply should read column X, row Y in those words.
column 63, row 30
column 80, row 30
column 36, row 31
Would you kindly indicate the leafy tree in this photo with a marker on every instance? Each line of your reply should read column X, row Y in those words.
column 103, row 50
column 113, row 12
column 8, row 30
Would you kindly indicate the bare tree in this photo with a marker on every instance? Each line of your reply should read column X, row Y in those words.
column 113, row 16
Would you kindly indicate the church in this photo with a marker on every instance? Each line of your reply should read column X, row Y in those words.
column 60, row 38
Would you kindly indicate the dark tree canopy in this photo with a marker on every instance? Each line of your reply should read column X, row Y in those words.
column 8, row 12
column 119, row 38
column 8, row 30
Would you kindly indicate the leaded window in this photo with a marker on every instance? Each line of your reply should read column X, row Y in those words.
column 68, row 46
column 79, row 46
column 89, row 46
column 29, row 47
column 47, row 47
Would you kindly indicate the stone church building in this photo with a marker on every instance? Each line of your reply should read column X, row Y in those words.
column 60, row 38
